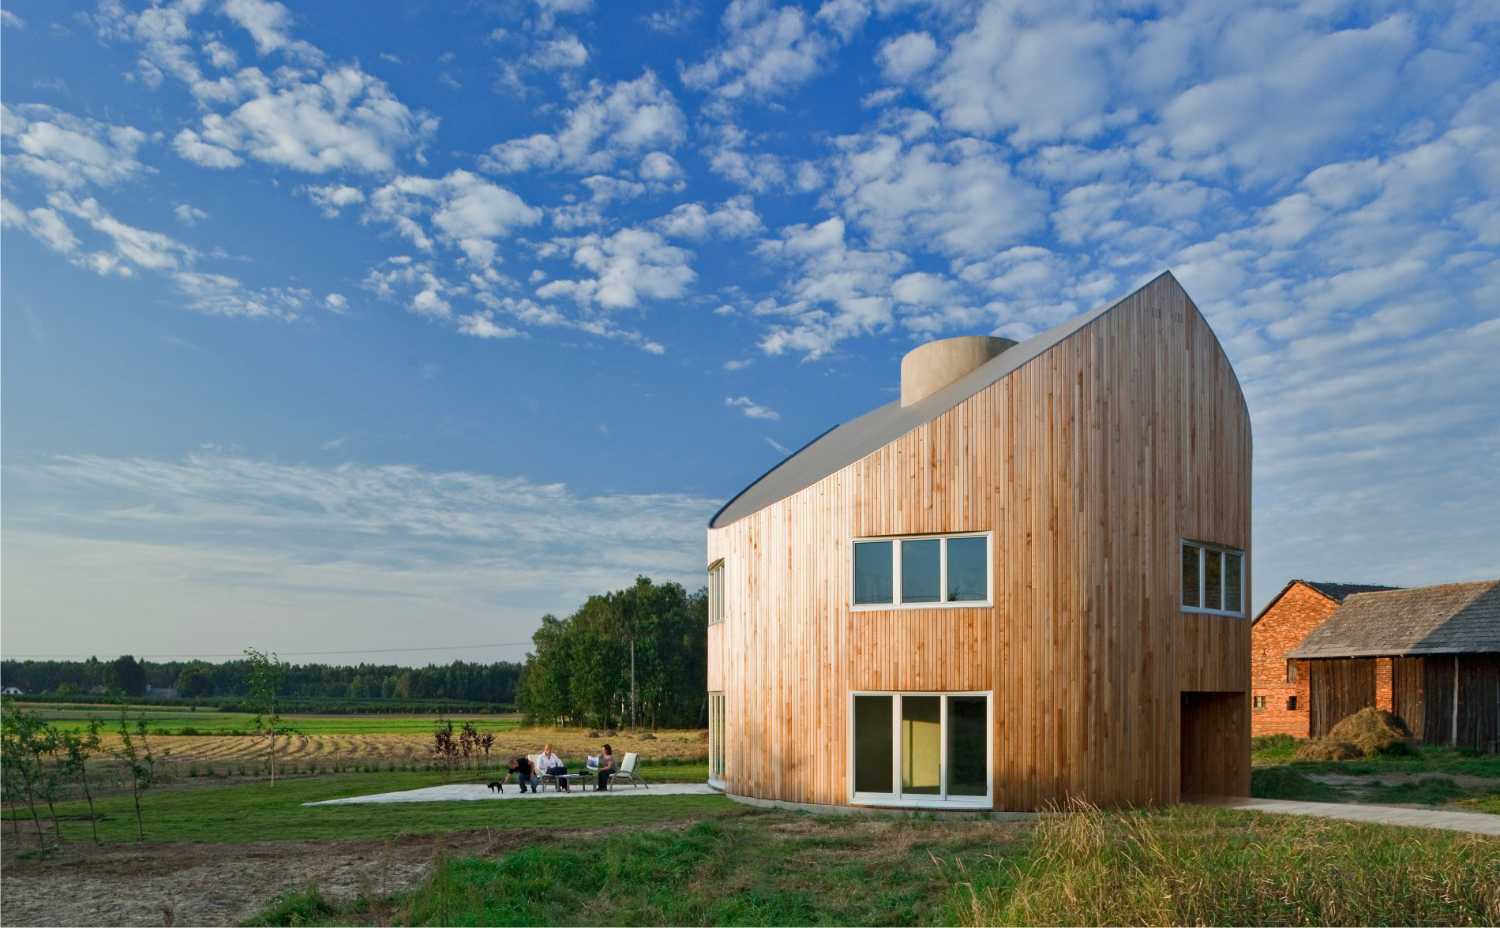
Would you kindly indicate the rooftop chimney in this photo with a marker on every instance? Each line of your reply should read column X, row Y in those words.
column 928, row 368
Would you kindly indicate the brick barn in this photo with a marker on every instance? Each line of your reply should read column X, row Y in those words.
column 1278, row 686
column 1429, row 654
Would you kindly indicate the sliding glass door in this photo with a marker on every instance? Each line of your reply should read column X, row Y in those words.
column 920, row 748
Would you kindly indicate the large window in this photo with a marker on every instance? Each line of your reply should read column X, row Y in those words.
column 920, row 748
column 716, row 737
column 1212, row 579
column 716, row 592
column 922, row 571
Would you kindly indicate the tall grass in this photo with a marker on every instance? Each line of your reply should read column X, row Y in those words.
column 1192, row 865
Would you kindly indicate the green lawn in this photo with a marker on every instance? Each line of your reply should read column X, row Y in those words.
column 1276, row 774
column 176, row 720
column 259, row 811
column 1184, row 865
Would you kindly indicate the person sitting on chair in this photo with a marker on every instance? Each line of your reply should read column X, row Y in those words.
column 552, row 766
column 606, row 767
column 523, row 771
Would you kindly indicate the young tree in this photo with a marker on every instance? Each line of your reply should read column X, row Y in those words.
column 266, row 675
column 20, row 734
column 78, row 748
column 141, row 764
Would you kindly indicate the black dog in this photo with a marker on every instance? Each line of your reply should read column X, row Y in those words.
column 497, row 786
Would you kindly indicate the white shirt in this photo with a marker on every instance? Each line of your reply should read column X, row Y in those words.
column 549, row 761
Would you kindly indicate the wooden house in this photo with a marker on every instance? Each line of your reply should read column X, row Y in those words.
column 1429, row 654
column 1023, row 581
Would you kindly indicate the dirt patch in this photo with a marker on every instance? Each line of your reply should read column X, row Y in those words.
column 213, row 884
column 1467, row 781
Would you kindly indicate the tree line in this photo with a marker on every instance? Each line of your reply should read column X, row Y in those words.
column 493, row 683
column 637, row 656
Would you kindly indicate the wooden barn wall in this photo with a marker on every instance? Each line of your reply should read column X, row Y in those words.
column 1407, row 693
column 1479, row 701
column 1088, row 464
column 1338, row 688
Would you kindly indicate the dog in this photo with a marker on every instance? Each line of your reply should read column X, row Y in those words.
column 496, row 786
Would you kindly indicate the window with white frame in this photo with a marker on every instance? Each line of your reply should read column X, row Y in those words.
column 922, row 570
column 716, row 737
column 920, row 748
column 716, row 592
column 1212, row 579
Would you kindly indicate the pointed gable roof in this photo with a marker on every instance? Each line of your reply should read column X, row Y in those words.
column 845, row 444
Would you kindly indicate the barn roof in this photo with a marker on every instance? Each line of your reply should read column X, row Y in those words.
column 844, row 444
column 1338, row 592
column 1453, row 618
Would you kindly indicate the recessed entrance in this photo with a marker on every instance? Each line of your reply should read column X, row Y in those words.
column 1215, row 745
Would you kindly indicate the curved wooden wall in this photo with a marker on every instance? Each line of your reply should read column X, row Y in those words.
column 1089, row 464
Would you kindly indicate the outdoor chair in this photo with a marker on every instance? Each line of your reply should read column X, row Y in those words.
column 628, row 772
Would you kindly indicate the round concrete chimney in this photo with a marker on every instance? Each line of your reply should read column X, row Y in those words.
column 928, row 368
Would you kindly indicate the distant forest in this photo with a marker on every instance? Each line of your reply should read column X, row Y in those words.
column 579, row 672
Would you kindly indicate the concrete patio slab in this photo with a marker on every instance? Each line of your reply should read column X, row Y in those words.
column 1479, row 823
column 467, row 792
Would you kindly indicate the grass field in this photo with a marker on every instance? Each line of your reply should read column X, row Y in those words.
column 1185, row 865
column 260, row 811
column 1428, row 776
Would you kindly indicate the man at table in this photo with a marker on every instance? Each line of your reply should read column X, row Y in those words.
column 552, row 766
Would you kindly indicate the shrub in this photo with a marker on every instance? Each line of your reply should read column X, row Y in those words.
column 1287, row 783
column 1374, row 731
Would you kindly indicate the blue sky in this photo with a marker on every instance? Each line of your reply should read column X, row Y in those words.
column 368, row 326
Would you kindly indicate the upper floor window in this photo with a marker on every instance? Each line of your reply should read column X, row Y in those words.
column 921, row 571
column 1212, row 579
column 716, row 592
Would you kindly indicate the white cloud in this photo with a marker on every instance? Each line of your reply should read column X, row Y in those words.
column 660, row 167
column 463, row 209
column 750, row 408
column 141, row 247
column 958, row 198
column 906, row 56
column 267, row 24
column 838, row 292
column 777, row 446
column 628, row 266
column 10, row 20
column 564, row 51
column 608, row 122
column 336, row 302
column 1035, row 70
column 188, row 214
column 342, row 120
column 734, row 218
column 331, row 199
column 767, row 51
column 222, row 295
column 68, row 151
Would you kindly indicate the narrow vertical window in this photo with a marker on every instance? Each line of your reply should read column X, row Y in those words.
column 874, row 580
column 716, row 736
column 716, row 593
column 921, row 570
column 921, row 745
column 1190, row 575
column 968, row 569
column 1213, row 580
column 1232, row 582
column 874, row 748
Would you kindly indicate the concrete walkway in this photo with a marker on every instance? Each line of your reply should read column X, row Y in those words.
column 466, row 792
column 1479, row 823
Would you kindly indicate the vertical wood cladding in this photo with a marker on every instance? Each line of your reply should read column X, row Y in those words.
column 1408, row 693
column 1280, row 629
column 1089, row 463
column 1340, row 688
column 1210, row 761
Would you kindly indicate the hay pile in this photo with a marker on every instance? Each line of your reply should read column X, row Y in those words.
column 1367, row 733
